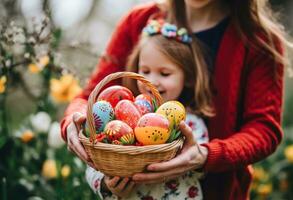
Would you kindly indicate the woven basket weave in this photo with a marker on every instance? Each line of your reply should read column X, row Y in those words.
column 119, row 160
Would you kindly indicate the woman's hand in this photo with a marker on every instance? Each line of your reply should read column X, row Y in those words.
column 119, row 187
column 73, row 143
column 191, row 157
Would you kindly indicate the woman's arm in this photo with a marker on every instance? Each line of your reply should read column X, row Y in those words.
column 261, row 131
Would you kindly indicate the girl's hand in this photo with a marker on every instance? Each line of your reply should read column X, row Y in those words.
column 73, row 143
column 191, row 157
column 118, row 186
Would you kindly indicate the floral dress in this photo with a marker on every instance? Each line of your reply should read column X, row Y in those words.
column 185, row 187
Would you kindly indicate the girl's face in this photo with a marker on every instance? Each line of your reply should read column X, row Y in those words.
column 165, row 75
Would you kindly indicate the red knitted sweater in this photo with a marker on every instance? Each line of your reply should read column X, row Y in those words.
column 248, row 102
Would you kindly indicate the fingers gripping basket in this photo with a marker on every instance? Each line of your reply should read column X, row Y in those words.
column 119, row 160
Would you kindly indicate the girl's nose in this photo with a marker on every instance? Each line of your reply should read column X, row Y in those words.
column 154, row 81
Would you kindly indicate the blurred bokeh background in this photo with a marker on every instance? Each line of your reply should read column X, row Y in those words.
column 47, row 50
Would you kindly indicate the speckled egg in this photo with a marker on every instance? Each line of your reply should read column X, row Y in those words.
column 127, row 112
column 103, row 113
column 174, row 111
column 152, row 128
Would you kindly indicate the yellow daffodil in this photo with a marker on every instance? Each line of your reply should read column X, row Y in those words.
column 259, row 174
column 3, row 80
column 39, row 65
column 49, row 170
column 264, row 189
column 27, row 136
column 33, row 68
column 64, row 89
column 44, row 61
column 289, row 153
column 65, row 171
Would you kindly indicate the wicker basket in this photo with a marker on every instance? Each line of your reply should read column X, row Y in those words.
column 119, row 160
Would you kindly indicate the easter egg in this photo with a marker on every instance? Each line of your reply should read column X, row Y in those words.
column 174, row 111
column 143, row 106
column 127, row 112
column 115, row 93
column 152, row 128
column 144, row 97
column 102, row 113
column 119, row 132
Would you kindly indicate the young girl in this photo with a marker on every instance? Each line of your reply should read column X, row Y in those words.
column 246, row 52
column 165, row 55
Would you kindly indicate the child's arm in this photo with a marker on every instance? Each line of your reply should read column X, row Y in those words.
column 94, row 179
column 199, row 129
column 106, row 187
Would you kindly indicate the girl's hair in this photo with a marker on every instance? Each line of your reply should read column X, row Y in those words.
column 196, row 92
column 249, row 17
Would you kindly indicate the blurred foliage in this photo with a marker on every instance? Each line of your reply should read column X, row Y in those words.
column 35, row 163
column 273, row 177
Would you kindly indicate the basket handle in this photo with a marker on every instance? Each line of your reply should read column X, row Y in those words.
column 105, row 81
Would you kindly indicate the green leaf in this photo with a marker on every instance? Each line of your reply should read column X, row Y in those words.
column 155, row 104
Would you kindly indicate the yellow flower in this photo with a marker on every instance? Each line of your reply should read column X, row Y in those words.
column 44, row 61
column 264, row 189
column 3, row 80
column 39, row 66
column 65, row 171
column 27, row 136
column 259, row 174
column 64, row 89
column 33, row 68
column 289, row 153
column 49, row 170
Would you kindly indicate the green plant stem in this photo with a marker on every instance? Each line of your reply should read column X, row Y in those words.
column 3, row 113
column 4, row 192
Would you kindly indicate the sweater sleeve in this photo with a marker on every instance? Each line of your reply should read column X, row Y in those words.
column 260, row 132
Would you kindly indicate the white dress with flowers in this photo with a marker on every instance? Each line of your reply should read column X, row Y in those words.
column 184, row 187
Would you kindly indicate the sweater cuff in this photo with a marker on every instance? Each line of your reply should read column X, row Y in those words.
column 214, row 157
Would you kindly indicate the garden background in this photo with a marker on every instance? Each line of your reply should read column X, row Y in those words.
column 47, row 50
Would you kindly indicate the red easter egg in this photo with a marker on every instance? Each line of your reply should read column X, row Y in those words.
column 114, row 94
column 127, row 112
column 118, row 132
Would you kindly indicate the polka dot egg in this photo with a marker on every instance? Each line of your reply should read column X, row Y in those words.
column 174, row 111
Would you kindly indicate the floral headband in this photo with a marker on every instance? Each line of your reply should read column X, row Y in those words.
column 168, row 30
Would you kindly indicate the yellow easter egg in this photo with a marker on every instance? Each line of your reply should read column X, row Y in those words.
column 174, row 111
column 150, row 135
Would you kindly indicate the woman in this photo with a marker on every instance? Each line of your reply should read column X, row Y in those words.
column 244, row 52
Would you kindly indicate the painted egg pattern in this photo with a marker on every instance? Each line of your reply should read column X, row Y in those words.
column 143, row 106
column 118, row 132
column 174, row 111
column 145, row 97
column 103, row 113
column 152, row 128
column 127, row 112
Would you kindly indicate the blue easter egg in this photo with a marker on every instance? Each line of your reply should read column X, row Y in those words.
column 143, row 106
column 103, row 112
